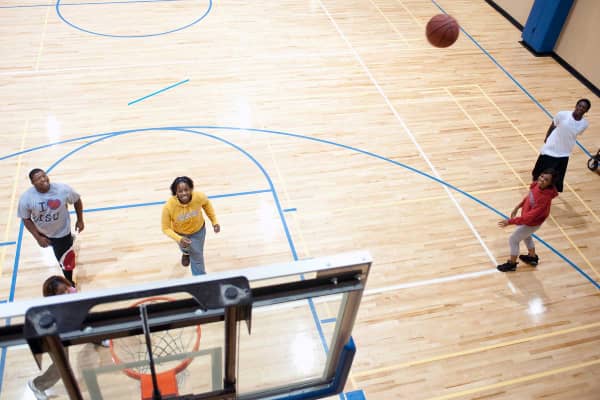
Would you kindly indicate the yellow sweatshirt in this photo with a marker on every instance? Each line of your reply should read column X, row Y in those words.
column 187, row 218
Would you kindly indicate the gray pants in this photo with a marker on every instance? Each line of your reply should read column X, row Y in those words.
column 196, row 251
column 48, row 378
column 522, row 233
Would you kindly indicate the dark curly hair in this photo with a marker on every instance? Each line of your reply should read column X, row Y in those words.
column 179, row 180
column 52, row 284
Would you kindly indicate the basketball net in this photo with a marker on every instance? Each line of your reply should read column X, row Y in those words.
column 164, row 343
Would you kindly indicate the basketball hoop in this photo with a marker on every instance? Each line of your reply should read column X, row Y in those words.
column 176, row 341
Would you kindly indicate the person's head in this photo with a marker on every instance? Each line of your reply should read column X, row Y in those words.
column 582, row 106
column 546, row 178
column 56, row 285
column 39, row 180
column 182, row 187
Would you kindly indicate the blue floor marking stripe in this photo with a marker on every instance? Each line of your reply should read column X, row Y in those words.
column 7, row 243
column 356, row 395
column 315, row 316
column 289, row 209
column 11, row 297
column 2, row 363
column 158, row 91
column 13, row 282
column 510, row 76
column 88, row 3
column 158, row 203
column 311, row 304
column 44, row 146
column 83, row 146
column 328, row 320
column 219, row 196
column 105, row 135
column 267, row 177
column 98, row 209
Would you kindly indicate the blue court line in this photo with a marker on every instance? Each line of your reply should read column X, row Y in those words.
column 101, row 137
column 158, row 203
column 60, row 15
column 7, row 243
column 315, row 316
column 13, row 282
column 3, row 301
column 158, row 91
column 106, row 135
column 267, row 177
column 44, row 146
column 356, row 395
column 89, row 4
column 290, row 241
column 510, row 76
column 328, row 320
column 289, row 209
column 218, row 196
column 2, row 363
column 11, row 297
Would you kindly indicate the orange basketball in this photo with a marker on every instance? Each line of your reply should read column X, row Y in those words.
column 442, row 30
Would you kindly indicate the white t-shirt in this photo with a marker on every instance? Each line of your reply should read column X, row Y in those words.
column 49, row 211
column 563, row 137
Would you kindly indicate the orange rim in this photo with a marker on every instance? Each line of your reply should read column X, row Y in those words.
column 180, row 367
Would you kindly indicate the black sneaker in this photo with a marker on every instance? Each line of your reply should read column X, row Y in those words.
column 185, row 260
column 507, row 266
column 529, row 259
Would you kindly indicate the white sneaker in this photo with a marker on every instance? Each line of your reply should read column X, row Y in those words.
column 39, row 394
column 103, row 343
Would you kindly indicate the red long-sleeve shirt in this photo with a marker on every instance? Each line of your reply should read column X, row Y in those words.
column 536, row 206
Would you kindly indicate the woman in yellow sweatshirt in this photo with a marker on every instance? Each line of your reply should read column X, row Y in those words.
column 182, row 220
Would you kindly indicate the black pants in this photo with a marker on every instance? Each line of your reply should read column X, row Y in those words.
column 559, row 164
column 60, row 247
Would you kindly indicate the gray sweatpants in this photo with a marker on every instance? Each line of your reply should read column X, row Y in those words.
column 522, row 233
column 196, row 251
column 48, row 378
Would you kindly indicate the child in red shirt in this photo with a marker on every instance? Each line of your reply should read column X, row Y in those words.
column 535, row 209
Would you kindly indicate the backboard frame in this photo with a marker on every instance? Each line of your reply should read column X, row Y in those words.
column 345, row 274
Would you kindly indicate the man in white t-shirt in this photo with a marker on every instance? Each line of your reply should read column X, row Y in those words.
column 562, row 134
column 44, row 211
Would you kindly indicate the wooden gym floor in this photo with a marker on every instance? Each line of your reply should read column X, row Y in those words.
column 317, row 127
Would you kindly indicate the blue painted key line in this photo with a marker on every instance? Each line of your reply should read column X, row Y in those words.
column 158, row 203
column 355, row 395
column 328, row 320
column 7, row 243
column 158, row 91
column 289, row 209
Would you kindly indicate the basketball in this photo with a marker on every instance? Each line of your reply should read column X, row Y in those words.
column 442, row 30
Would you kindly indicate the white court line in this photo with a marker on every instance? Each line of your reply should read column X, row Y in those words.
column 369, row 292
column 409, row 133
column 451, row 278
column 385, row 289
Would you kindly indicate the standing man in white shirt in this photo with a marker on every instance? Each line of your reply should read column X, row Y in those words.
column 560, row 139
column 45, row 213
